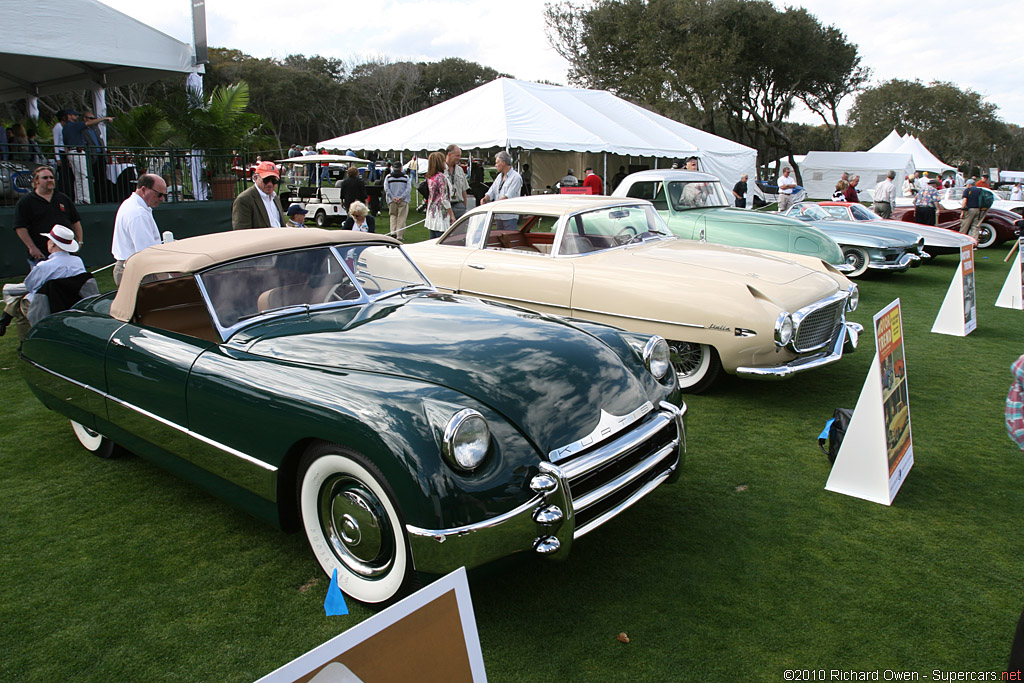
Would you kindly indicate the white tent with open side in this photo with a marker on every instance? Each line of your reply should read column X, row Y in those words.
column 511, row 114
column 822, row 170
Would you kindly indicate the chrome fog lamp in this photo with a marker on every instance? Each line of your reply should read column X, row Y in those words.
column 854, row 299
column 783, row 329
column 466, row 439
column 656, row 357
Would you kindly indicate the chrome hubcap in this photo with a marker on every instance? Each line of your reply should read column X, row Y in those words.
column 356, row 525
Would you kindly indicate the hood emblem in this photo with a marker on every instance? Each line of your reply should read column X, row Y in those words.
column 607, row 425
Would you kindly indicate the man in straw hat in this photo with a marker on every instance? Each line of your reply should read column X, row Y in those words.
column 61, row 244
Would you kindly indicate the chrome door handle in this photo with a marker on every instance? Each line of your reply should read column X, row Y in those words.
column 477, row 266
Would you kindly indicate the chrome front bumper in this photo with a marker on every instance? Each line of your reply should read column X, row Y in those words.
column 845, row 342
column 906, row 261
column 547, row 523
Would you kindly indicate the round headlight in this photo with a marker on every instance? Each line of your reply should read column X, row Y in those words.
column 851, row 303
column 657, row 358
column 466, row 439
column 783, row 329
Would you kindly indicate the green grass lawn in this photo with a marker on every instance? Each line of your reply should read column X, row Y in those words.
column 746, row 567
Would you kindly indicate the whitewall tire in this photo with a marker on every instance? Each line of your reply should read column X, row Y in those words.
column 697, row 365
column 353, row 524
column 93, row 441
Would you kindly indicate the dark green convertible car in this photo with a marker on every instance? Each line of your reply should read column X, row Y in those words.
column 317, row 380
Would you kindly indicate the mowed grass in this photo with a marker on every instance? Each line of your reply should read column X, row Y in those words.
column 746, row 567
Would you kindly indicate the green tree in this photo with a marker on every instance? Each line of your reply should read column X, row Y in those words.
column 957, row 125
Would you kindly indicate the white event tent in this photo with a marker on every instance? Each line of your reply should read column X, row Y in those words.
column 49, row 47
column 604, row 130
column 822, row 170
column 924, row 160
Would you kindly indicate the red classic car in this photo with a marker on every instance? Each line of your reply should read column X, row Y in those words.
column 998, row 226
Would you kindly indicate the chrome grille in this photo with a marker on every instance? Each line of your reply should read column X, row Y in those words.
column 818, row 326
column 611, row 471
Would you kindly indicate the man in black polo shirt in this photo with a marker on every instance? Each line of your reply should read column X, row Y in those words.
column 39, row 210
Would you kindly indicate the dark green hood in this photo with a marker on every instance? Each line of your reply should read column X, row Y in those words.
column 549, row 379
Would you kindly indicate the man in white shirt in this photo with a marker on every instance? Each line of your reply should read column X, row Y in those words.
column 1016, row 194
column 787, row 185
column 134, row 226
column 885, row 195
column 507, row 185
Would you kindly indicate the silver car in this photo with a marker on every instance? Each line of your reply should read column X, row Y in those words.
column 865, row 246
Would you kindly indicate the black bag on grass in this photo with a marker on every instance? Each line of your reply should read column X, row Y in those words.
column 834, row 432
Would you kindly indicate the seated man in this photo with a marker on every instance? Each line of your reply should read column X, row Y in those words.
column 61, row 244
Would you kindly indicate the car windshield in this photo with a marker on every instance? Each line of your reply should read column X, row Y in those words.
column 610, row 227
column 251, row 287
column 696, row 195
column 813, row 212
column 861, row 214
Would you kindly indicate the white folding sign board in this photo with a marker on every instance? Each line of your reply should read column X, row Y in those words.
column 429, row 636
column 1012, row 293
column 959, row 313
column 878, row 451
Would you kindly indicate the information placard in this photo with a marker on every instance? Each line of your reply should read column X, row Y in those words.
column 958, row 315
column 430, row 636
column 878, row 450
column 1012, row 293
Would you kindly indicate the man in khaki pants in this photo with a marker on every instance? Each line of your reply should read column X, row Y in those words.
column 398, row 191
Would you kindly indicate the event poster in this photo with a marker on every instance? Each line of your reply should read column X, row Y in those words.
column 970, row 300
column 895, row 398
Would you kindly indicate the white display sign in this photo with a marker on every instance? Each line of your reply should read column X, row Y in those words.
column 429, row 636
column 958, row 315
column 1012, row 293
column 878, row 450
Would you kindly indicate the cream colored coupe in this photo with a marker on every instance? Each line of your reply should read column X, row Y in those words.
column 612, row 260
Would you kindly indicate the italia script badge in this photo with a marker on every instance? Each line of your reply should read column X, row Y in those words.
column 723, row 328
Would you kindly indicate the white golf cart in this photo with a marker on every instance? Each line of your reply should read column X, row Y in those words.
column 304, row 178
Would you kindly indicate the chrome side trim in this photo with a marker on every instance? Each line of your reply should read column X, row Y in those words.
column 637, row 317
column 145, row 413
column 522, row 302
column 607, row 425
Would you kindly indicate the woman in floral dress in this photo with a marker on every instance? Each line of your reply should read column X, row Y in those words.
column 439, row 207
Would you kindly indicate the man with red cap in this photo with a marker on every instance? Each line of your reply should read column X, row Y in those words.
column 259, row 206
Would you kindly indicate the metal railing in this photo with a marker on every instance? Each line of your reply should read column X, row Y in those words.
column 100, row 175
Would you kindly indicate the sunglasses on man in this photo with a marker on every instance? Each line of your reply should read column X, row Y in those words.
column 270, row 179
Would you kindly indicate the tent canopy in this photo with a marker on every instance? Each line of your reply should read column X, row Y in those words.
column 908, row 144
column 507, row 113
column 54, row 46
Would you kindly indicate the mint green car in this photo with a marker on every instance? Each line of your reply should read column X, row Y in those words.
column 696, row 207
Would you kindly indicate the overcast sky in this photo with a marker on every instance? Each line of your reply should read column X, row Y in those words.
column 974, row 45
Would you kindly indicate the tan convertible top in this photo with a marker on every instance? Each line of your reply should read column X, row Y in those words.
column 196, row 253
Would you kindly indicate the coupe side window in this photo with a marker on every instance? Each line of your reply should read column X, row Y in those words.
column 522, row 232
column 650, row 190
column 468, row 232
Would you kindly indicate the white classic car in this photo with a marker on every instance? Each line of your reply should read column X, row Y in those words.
column 612, row 260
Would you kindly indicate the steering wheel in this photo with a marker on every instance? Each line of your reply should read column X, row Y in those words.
column 627, row 235
column 343, row 291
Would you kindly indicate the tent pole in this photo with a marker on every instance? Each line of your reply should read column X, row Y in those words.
column 604, row 176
